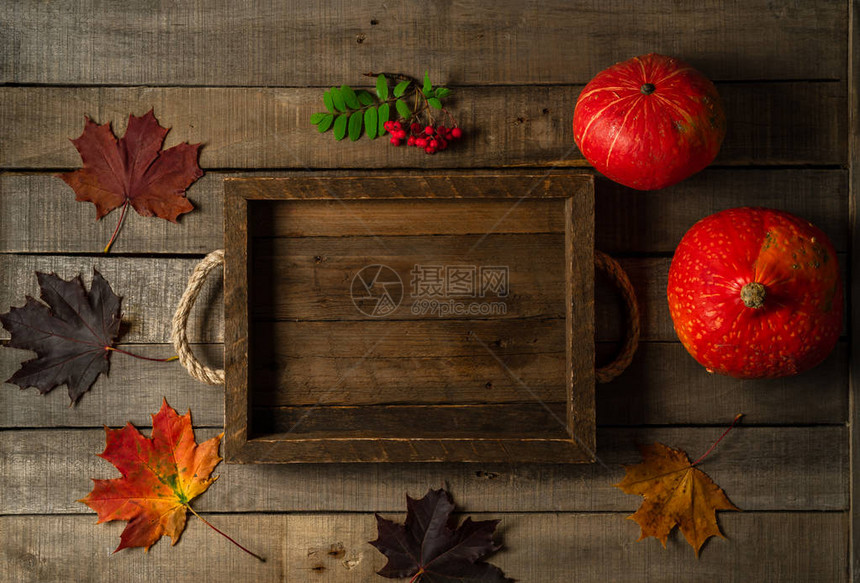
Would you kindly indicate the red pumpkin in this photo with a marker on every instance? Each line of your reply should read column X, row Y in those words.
column 649, row 122
column 756, row 293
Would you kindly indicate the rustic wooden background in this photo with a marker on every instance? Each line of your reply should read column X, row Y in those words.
column 244, row 81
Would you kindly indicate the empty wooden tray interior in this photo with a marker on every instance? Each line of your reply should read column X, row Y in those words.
column 410, row 318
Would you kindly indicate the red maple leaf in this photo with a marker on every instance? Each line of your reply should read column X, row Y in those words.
column 161, row 475
column 133, row 170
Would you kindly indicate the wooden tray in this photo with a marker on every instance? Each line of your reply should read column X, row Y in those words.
column 428, row 318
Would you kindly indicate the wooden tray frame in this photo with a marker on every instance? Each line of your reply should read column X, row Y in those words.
column 578, row 446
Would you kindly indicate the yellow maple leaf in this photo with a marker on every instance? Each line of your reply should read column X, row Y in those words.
column 676, row 493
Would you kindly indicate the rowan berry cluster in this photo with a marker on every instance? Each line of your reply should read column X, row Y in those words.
column 429, row 138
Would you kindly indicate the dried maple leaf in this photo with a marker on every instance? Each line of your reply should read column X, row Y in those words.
column 676, row 493
column 72, row 336
column 160, row 476
column 431, row 548
column 133, row 170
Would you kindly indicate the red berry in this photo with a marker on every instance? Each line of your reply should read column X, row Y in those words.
column 442, row 130
column 442, row 144
column 415, row 128
column 410, row 141
column 456, row 133
column 429, row 130
column 397, row 126
column 430, row 150
column 394, row 141
column 387, row 125
column 420, row 142
column 401, row 135
column 434, row 143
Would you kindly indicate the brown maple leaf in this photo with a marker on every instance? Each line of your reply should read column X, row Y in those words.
column 133, row 170
column 431, row 548
column 160, row 476
column 676, row 493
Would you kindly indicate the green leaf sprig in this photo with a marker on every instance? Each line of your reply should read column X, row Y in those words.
column 359, row 112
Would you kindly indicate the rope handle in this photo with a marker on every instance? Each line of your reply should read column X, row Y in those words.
column 613, row 270
column 204, row 374
column 211, row 376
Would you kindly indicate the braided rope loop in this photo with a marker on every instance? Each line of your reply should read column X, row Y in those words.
column 613, row 270
column 204, row 374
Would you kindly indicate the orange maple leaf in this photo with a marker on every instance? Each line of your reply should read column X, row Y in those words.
column 676, row 493
column 160, row 476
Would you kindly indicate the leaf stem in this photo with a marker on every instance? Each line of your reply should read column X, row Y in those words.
column 115, row 349
column 400, row 76
column 418, row 574
column 118, row 225
column 207, row 523
column 710, row 449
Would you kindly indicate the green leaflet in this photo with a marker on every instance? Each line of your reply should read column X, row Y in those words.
column 326, row 122
column 427, row 86
column 443, row 92
column 340, row 126
column 382, row 87
column 434, row 103
column 355, row 123
column 329, row 104
column 316, row 118
column 365, row 97
column 403, row 109
column 349, row 97
column 384, row 111
column 371, row 119
column 401, row 88
column 337, row 97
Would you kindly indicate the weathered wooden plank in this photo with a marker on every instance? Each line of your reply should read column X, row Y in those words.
column 130, row 393
column 854, row 288
column 409, row 216
column 625, row 220
column 150, row 287
column 656, row 387
column 314, row 278
column 767, row 468
column 854, row 293
column 255, row 128
column 664, row 385
column 526, row 420
column 331, row 43
column 785, row 547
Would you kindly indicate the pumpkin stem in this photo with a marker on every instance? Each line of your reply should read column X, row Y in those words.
column 647, row 88
column 753, row 295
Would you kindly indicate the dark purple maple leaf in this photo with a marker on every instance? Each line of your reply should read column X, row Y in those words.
column 431, row 548
column 72, row 336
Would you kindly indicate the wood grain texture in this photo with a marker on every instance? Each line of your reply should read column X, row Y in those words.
column 854, row 287
column 663, row 386
column 130, row 392
column 333, row 548
column 151, row 288
column 314, row 278
column 469, row 42
column 256, row 128
column 624, row 219
column 760, row 468
column 237, row 349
